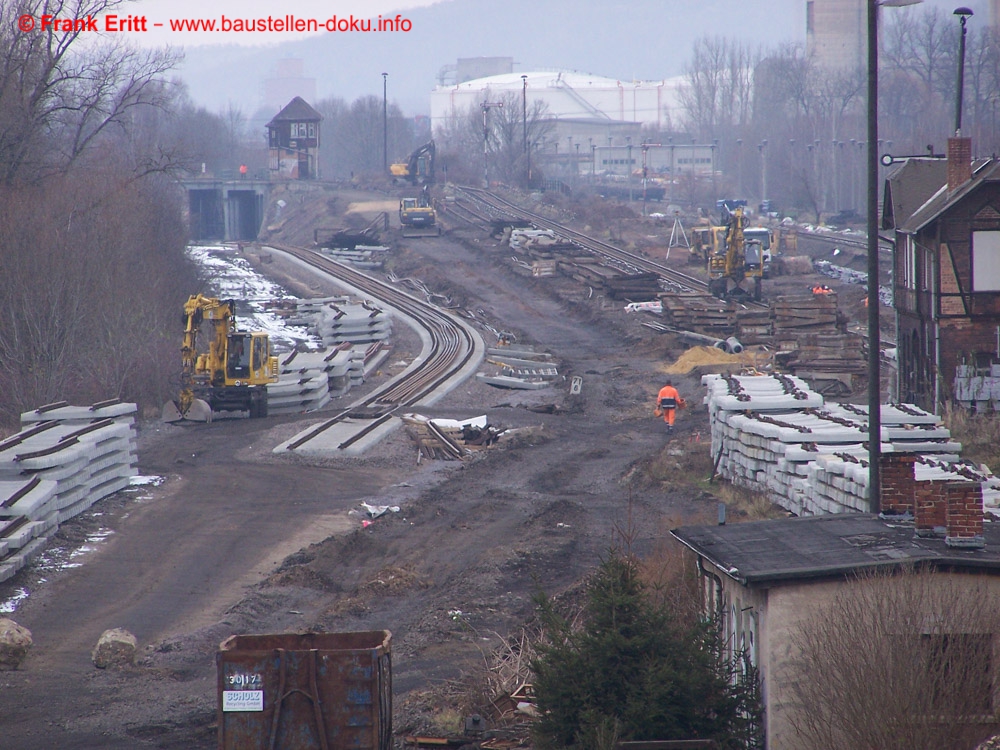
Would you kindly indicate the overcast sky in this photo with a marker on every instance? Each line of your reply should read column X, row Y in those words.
column 625, row 40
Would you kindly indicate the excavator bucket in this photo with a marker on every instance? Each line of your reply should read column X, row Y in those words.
column 199, row 411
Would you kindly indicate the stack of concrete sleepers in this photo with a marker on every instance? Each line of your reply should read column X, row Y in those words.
column 352, row 322
column 308, row 380
column 64, row 460
column 303, row 383
column 773, row 434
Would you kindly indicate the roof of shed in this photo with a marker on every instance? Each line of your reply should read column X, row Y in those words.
column 827, row 546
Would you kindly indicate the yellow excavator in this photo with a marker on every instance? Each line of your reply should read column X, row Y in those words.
column 737, row 265
column 418, row 169
column 232, row 375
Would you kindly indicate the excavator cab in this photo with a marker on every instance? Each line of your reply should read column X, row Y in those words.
column 238, row 348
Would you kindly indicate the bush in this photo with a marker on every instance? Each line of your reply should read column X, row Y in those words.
column 635, row 670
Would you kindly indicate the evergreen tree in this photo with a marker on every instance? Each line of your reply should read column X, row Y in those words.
column 633, row 671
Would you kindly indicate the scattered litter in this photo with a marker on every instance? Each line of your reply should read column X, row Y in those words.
column 379, row 510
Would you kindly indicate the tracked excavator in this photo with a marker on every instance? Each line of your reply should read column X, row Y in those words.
column 232, row 375
column 418, row 169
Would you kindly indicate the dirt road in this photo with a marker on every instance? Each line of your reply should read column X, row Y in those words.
column 237, row 540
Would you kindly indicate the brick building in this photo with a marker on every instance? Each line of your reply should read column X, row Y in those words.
column 946, row 277
column 293, row 139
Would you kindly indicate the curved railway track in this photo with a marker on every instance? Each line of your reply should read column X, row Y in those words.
column 452, row 345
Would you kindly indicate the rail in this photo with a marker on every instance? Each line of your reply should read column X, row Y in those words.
column 616, row 257
column 452, row 346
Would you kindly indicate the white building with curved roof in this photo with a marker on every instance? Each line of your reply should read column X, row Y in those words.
column 594, row 102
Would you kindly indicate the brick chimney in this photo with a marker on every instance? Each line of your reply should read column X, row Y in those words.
column 959, row 162
column 898, row 483
column 964, row 517
column 930, row 509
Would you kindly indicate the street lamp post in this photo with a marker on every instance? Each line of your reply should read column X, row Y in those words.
column 874, row 337
column 385, row 126
column 963, row 14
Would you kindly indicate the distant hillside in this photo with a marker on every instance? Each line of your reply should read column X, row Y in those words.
column 641, row 39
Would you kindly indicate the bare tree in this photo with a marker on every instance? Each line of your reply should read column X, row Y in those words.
column 718, row 95
column 897, row 661
column 56, row 98
column 921, row 53
column 471, row 141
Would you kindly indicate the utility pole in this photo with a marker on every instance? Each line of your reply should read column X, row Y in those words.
column 628, row 141
column 486, row 107
column 963, row 14
column 385, row 126
column 645, row 171
column 524, row 122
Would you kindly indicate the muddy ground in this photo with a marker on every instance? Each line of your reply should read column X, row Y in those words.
column 239, row 540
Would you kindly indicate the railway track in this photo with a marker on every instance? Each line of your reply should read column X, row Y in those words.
column 622, row 260
column 449, row 347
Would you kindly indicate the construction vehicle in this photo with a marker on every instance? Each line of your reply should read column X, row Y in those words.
column 232, row 375
column 707, row 240
column 739, row 263
column 418, row 169
column 765, row 237
column 417, row 216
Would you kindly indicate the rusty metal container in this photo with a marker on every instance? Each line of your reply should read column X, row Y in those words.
column 322, row 691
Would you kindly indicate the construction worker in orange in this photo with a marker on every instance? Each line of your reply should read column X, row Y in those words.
column 668, row 401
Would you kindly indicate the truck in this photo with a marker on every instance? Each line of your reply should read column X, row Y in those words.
column 232, row 374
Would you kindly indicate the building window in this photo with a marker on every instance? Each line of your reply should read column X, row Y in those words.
column 909, row 263
column 312, row 130
column 986, row 261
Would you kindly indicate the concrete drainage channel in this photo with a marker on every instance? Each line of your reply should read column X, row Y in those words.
column 64, row 460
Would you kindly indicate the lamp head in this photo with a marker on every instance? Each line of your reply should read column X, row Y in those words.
column 963, row 12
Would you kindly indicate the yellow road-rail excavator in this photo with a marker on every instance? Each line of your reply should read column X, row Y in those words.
column 735, row 270
column 232, row 375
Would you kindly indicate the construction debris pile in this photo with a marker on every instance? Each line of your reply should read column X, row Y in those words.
column 773, row 434
column 450, row 439
column 519, row 367
column 64, row 460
